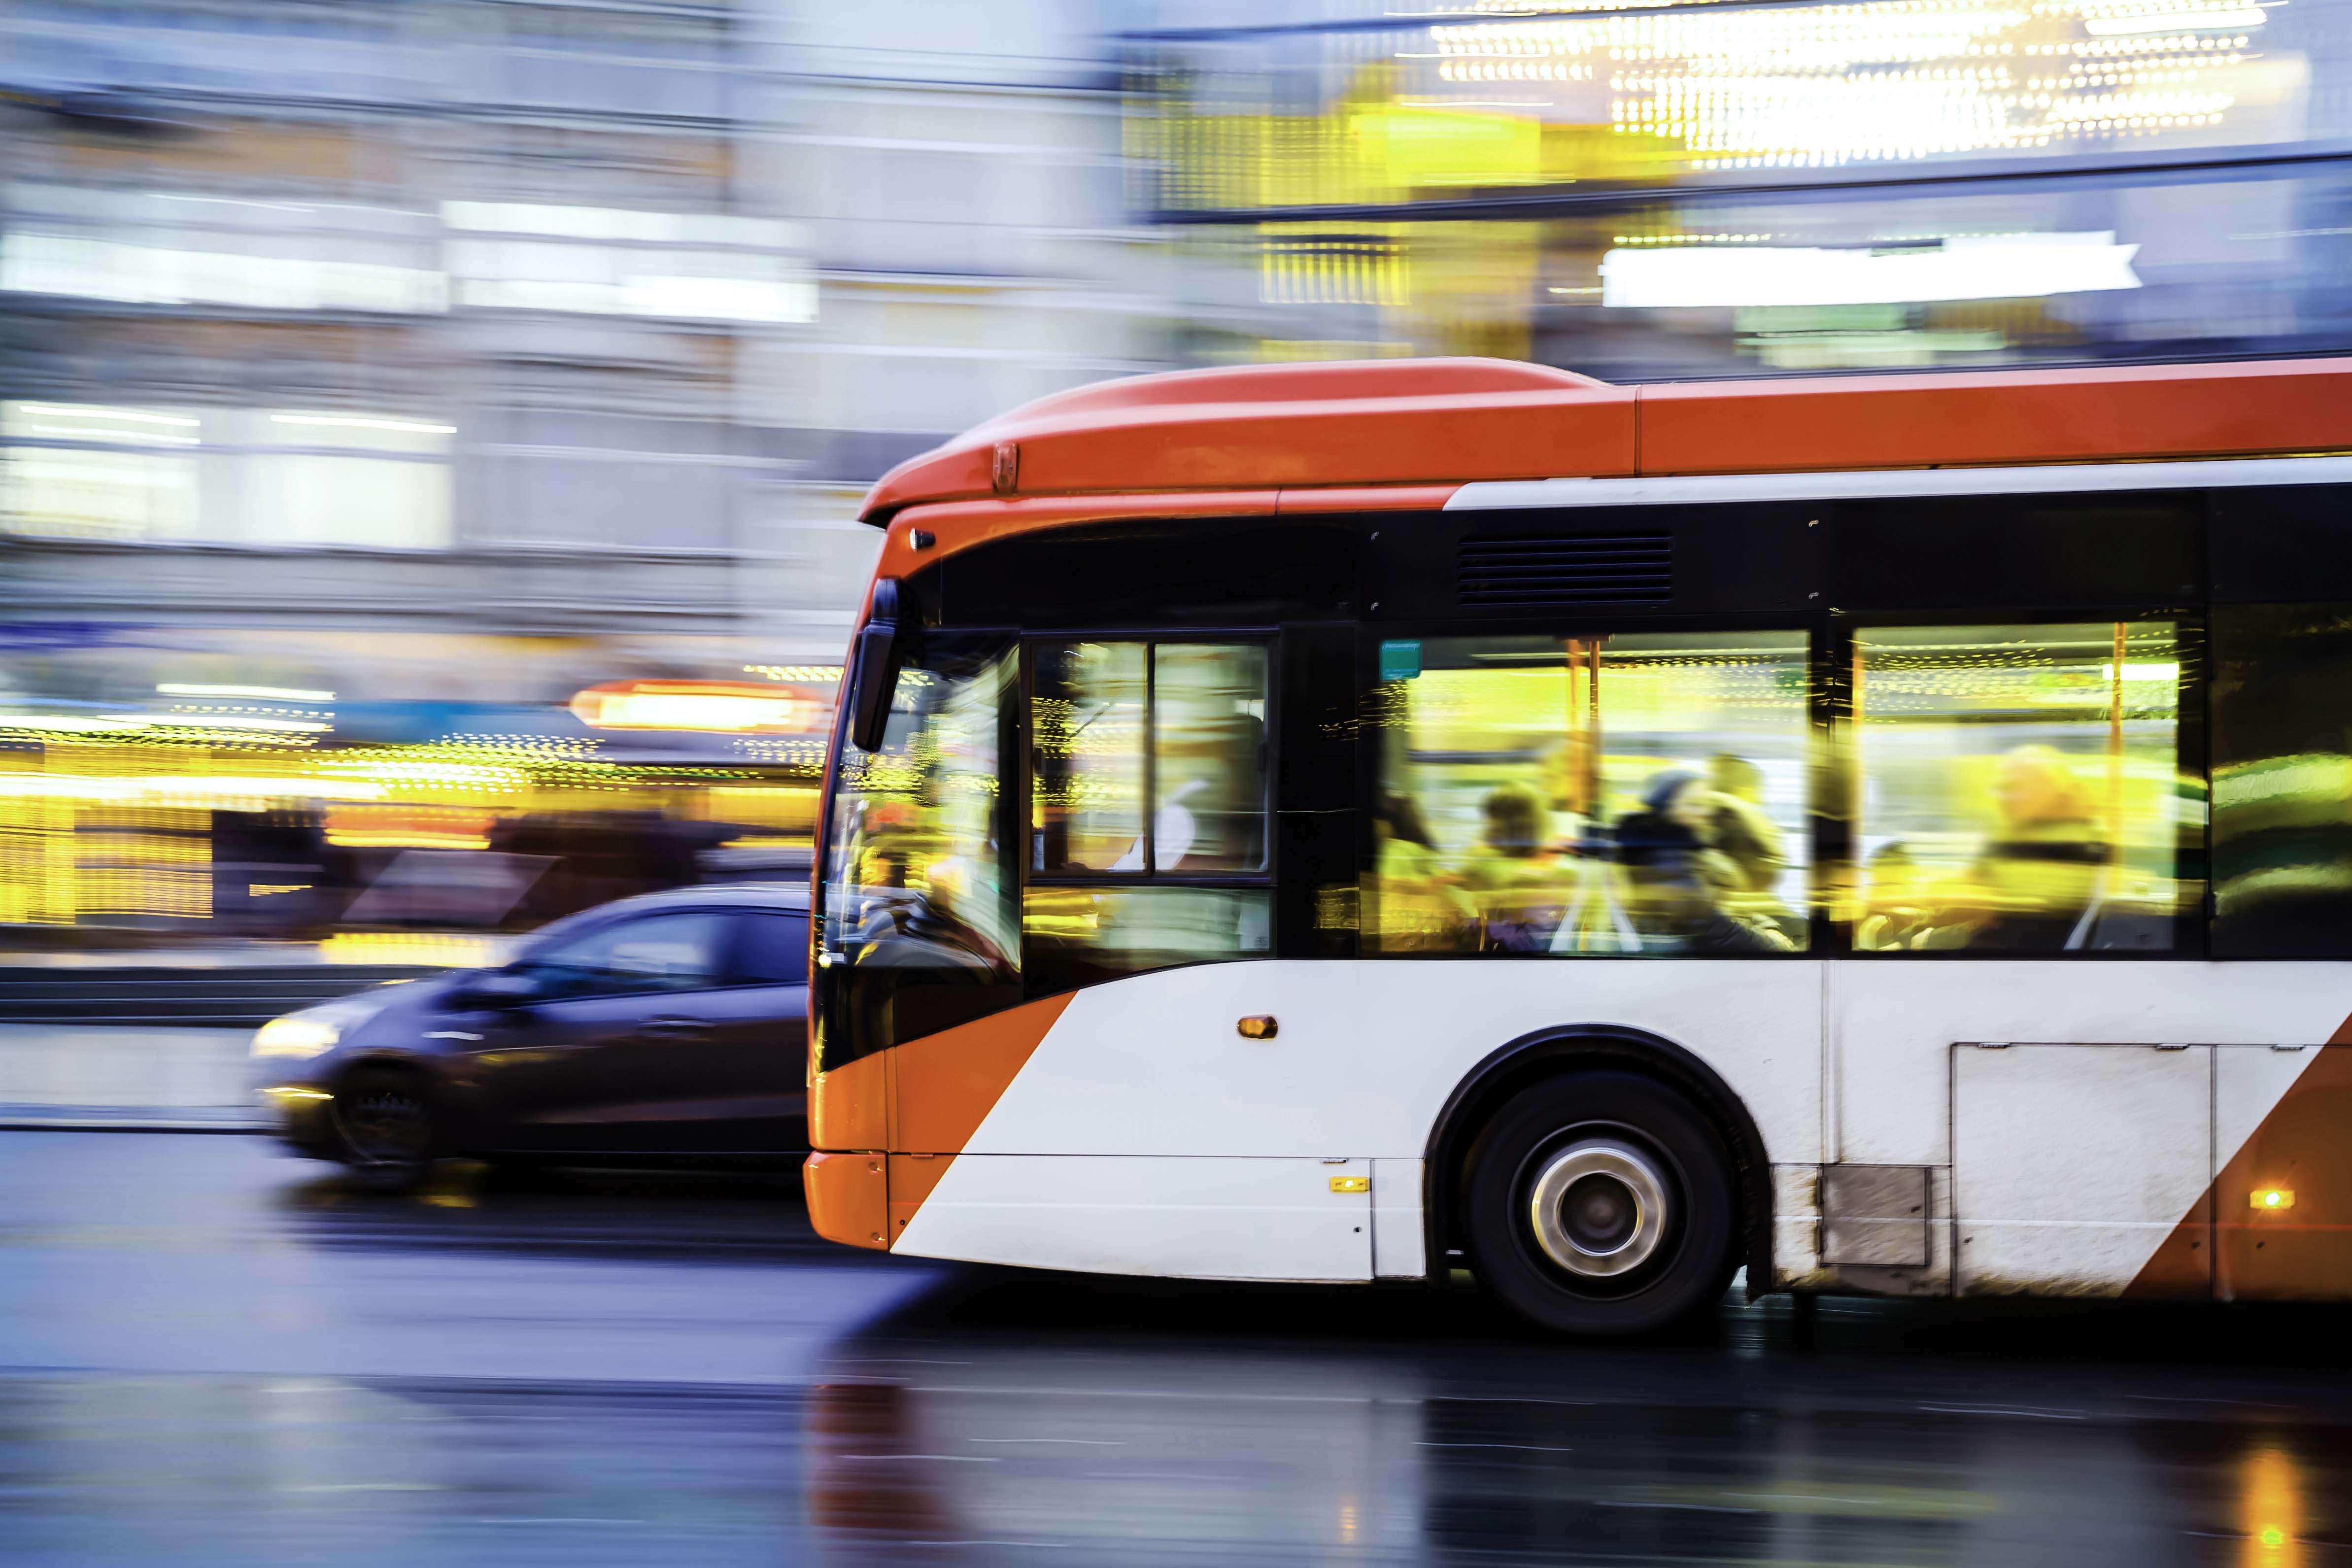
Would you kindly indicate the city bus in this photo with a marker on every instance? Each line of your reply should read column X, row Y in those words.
column 1885, row 834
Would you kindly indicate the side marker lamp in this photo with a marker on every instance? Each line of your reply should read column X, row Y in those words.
column 2271, row 1198
column 1351, row 1184
column 1257, row 1026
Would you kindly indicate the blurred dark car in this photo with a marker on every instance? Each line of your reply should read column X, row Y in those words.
column 667, row 1028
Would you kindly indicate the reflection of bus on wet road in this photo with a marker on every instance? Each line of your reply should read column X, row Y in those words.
column 1893, row 835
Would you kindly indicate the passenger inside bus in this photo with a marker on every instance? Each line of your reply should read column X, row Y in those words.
column 1512, row 876
column 1685, row 886
column 1600, row 797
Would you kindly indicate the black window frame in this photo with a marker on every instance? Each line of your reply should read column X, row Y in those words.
column 1835, row 774
column 1268, row 876
column 1370, row 633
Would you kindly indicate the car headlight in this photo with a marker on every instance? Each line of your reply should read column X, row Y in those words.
column 296, row 1035
column 315, row 1030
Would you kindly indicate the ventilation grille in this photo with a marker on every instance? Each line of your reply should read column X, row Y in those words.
column 1620, row 571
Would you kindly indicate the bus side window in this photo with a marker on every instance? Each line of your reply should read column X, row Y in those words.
column 2283, row 781
column 1591, row 795
column 1147, row 779
column 2020, row 788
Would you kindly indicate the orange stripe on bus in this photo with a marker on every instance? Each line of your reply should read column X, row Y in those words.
column 1997, row 417
column 944, row 1084
column 2303, row 1253
column 912, row 1177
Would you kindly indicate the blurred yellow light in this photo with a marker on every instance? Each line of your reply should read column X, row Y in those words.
column 449, row 951
column 2272, row 1198
column 723, row 706
column 289, row 1093
column 294, row 1037
column 235, row 721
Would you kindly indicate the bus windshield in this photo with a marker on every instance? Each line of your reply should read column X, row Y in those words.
column 916, row 917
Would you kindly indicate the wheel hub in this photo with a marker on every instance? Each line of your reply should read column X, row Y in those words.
column 1599, row 1208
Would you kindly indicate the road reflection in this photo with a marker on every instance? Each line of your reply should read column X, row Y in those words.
column 1004, row 1416
column 744, row 1214
column 670, row 1366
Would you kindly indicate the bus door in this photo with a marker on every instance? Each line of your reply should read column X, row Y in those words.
column 1148, row 888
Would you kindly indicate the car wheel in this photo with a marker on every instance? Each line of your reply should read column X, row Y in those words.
column 384, row 1122
column 1601, row 1204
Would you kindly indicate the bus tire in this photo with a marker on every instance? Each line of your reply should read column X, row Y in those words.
column 1601, row 1204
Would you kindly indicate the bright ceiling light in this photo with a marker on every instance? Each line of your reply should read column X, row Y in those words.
column 2012, row 267
column 88, row 411
column 267, row 693
column 365, row 421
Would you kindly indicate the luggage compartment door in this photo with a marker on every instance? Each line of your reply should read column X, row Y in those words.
column 2073, row 1166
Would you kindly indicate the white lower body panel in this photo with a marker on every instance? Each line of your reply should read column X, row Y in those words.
column 1204, row 1217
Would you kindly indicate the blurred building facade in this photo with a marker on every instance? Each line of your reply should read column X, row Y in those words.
column 1658, row 190
column 431, row 431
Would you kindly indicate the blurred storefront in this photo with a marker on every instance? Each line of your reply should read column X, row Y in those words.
column 401, row 468
column 1656, row 191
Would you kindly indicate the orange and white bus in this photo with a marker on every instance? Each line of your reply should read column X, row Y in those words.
column 1352, row 822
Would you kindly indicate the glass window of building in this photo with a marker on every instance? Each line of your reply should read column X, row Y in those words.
column 1608, row 795
column 2283, row 781
column 233, row 476
column 2017, row 788
column 1149, row 773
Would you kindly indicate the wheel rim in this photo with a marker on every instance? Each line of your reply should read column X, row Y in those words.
column 385, row 1126
column 1599, row 1208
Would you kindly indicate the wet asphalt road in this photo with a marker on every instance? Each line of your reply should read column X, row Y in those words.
column 209, row 1353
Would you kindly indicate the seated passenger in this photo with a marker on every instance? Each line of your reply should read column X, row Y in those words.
column 1417, row 904
column 1510, row 879
column 2036, row 877
column 1684, row 889
column 1749, row 837
column 1897, row 910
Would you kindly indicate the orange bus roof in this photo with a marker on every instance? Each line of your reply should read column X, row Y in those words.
column 1347, row 426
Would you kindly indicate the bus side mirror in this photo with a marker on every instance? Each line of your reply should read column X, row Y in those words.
column 874, row 669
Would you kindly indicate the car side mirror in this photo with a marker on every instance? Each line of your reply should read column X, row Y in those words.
column 498, row 990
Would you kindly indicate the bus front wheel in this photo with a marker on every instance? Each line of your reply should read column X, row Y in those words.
column 1601, row 1204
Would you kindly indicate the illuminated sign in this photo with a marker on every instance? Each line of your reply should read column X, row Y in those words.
column 721, row 707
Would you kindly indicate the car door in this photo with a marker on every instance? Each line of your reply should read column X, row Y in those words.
column 751, row 1092
column 619, row 1043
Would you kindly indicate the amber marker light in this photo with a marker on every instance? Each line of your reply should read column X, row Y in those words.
column 1257, row 1026
column 2271, row 1198
column 1351, row 1184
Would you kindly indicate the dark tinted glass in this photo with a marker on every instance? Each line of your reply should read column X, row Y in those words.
column 2283, row 781
column 770, row 950
column 658, row 952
